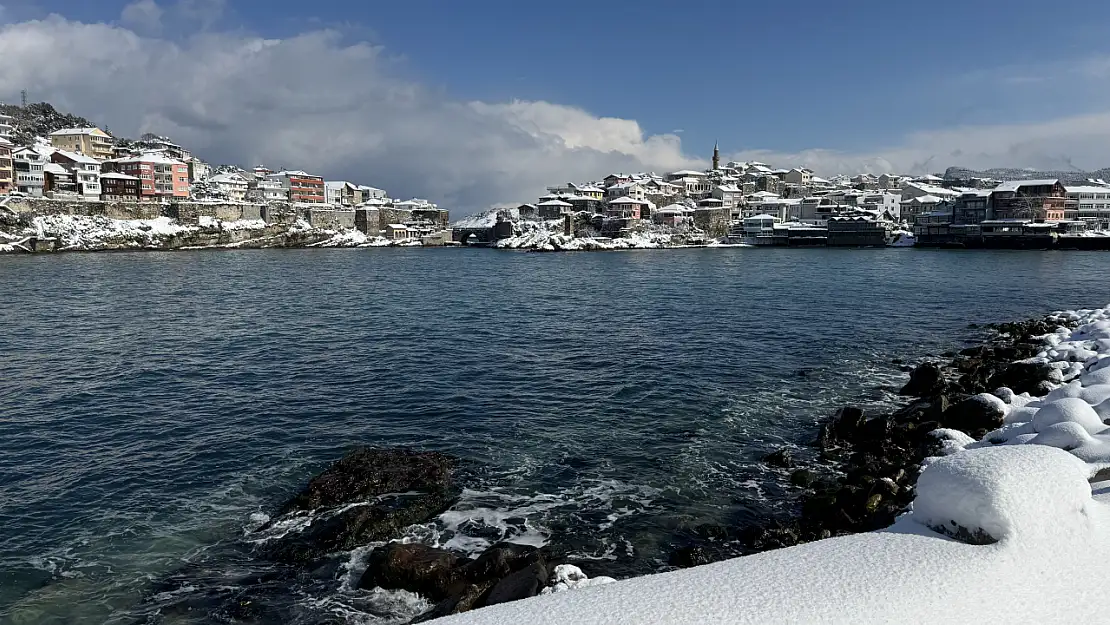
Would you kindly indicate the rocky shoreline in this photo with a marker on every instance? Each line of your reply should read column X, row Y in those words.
column 871, row 462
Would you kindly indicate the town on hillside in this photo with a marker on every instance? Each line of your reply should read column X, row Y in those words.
column 88, row 164
column 754, row 203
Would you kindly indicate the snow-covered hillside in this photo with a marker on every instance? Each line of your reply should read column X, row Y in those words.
column 1004, row 530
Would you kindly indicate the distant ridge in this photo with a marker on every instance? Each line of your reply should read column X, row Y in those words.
column 1008, row 173
column 39, row 120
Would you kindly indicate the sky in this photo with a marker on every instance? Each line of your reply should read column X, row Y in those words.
column 486, row 102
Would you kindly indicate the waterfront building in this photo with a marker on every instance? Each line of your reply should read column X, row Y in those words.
column 970, row 207
column 161, row 177
column 342, row 193
column 625, row 208
column 553, row 209
column 300, row 186
column 28, row 166
column 58, row 181
column 232, row 184
column 116, row 186
column 91, row 141
column 1034, row 200
column 85, row 168
column 7, row 171
column 1090, row 203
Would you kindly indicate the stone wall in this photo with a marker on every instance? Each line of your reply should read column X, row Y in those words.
column 438, row 216
column 115, row 210
column 331, row 218
column 713, row 220
column 191, row 212
column 368, row 221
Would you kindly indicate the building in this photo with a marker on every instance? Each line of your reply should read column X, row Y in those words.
column 1037, row 200
column 116, row 186
column 909, row 209
column 1090, row 204
column 372, row 194
column 265, row 189
column 153, row 143
column 7, row 172
column 553, row 209
column 634, row 190
column 625, row 208
column 198, row 169
column 161, row 177
column 970, row 207
column 301, row 186
column 800, row 176
column 232, row 184
column 399, row 232
column 6, row 128
column 85, row 168
column 730, row 195
column 58, row 181
column 342, row 193
column 916, row 189
column 91, row 141
column 28, row 165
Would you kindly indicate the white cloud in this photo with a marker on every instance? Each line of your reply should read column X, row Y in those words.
column 314, row 102
column 143, row 15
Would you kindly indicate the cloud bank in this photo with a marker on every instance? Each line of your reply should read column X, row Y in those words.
column 347, row 111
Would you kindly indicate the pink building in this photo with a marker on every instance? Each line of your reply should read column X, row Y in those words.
column 159, row 175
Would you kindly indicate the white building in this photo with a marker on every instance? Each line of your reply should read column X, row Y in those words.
column 341, row 193
column 232, row 184
column 29, row 166
column 730, row 195
column 1091, row 203
column 634, row 190
column 85, row 168
column 911, row 190
column 372, row 193
column 6, row 127
column 266, row 189
column 798, row 175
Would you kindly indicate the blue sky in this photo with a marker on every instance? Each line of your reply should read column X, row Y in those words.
column 888, row 82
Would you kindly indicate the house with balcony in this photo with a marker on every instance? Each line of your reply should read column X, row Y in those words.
column 265, row 189
column 553, row 209
column 970, row 207
column 634, row 190
column 910, row 208
column 730, row 195
column 301, row 187
column 1034, row 200
column 160, row 177
column 6, row 128
column 85, row 168
column 150, row 142
column 372, row 195
column 59, row 182
column 232, row 184
column 7, row 172
column 91, row 141
column 28, row 165
column 626, row 207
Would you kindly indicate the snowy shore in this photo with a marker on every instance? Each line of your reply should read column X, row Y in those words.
column 99, row 233
column 1016, row 509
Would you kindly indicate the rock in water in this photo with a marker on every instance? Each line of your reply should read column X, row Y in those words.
column 925, row 380
column 523, row 584
column 366, row 473
column 368, row 495
column 1023, row 376
column 414, row 567
column 779, row 458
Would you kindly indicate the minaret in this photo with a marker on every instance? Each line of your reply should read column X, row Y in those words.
column 716, row 157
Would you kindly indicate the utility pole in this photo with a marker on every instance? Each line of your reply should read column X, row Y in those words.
column 23, row 97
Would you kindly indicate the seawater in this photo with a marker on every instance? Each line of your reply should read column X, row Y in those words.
column 154, row 406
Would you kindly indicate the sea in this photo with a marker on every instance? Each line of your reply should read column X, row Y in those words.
column 156, row 407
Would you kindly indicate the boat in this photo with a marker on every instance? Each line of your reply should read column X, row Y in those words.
column 901, row 238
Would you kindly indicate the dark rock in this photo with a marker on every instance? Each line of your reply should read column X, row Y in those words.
column 467, row 597
column 925, row 380
column 686, row 557
column 414, row 567
column 499, row 561
column 974, row 415
column 525, row 583
column 358, row 526
column 779, row 458
column 841, row 428
column 366, row 473
column 394, row 488
column 1022, row 377
column 803, row 478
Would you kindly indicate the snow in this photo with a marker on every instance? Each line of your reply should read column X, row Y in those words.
column 1001, row 531
column 79, row 232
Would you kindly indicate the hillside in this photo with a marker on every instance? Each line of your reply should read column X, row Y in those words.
column 39, row 120
column 1010, row 173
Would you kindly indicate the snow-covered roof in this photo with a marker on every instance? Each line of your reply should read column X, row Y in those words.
column 687, row 172
column 339, row 184
column 230, row 176
column 591, row 189
column 929, row 178
column 729, row 188
column 818, row 179
column 1086, row 189
column 1014, row 185
column 624, row 200
column 75, row 131
column 763, row 194
column 150, row 157
column 117, row 176
column 78, row 157
column 761, row 217
column 397, row 226
column 554, row 203
column 54, row 168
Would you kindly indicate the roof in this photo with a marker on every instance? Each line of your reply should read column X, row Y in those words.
column 554, row 203
column 229, row 176
column 1014, row 185
column 338, row 184
column 116, row 176
column 761, row 216
column 687, row 172
column 729, row 188
column 77, row 157
column 1086, row 189
column 150, row 157
column 396, row 226
column 75, row 131
column 620, row 200
column 54, row 168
